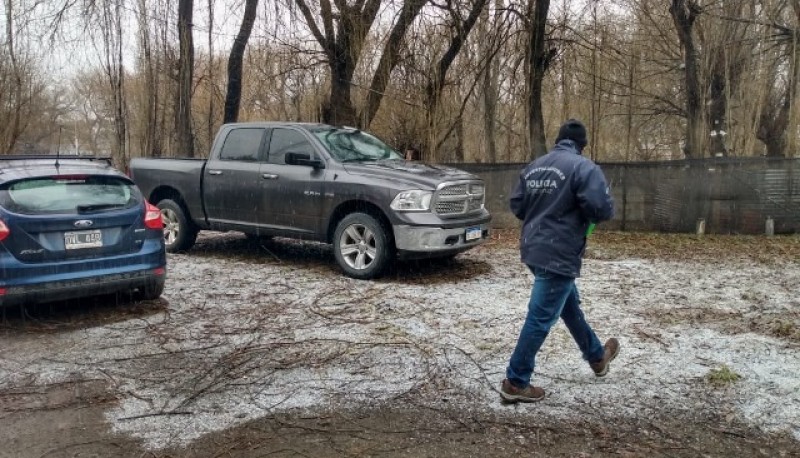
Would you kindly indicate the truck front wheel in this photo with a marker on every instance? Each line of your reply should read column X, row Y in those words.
column 179, row 232
column 362, row 246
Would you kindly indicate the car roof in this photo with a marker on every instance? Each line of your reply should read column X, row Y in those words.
column 306, row 125
column 14, row 168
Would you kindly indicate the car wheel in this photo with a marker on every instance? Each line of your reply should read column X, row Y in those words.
column 151, row 290
column 179, row 232
column 362, row 246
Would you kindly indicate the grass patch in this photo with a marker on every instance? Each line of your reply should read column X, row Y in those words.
column 784, row 329
column 722, row 376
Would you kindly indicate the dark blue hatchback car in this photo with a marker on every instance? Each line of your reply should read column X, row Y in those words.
column 75, row 227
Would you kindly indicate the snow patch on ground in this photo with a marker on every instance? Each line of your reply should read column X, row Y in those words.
column 246, row 338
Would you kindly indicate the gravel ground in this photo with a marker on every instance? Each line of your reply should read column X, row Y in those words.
column 247, row 331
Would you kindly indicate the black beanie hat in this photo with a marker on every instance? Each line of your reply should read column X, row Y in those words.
column 573, row 130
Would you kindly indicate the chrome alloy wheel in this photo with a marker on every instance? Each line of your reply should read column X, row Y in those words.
column 358, row 246
column 172, row 227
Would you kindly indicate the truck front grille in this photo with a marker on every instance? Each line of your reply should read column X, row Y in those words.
column 458, row 199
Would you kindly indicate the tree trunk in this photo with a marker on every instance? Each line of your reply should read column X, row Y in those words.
column 718, row 111
column 538, row 60
column 147, row 142
column 436, row 83
column 211, row 107
column 342, row 38
column 684, row 14
column 233, row 97
column 389, row 59
column 14, row 131
column 183, row 100
column 491, row 84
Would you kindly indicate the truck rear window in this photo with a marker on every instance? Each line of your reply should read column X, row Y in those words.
column 69, row 194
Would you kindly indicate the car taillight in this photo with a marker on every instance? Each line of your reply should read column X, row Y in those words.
column 2, row 291
column 4, row 231
column 152, row 217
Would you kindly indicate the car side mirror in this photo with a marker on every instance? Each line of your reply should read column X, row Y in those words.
column 303, row 159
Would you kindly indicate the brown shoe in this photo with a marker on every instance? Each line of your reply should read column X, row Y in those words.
column 512, row 394
column 600, row 368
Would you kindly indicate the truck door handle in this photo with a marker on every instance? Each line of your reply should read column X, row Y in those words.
column 269, row 176
column 215, row 172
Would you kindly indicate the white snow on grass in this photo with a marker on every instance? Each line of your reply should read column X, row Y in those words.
column 247, row 337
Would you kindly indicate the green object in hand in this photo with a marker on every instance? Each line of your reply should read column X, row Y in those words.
column 590, row 229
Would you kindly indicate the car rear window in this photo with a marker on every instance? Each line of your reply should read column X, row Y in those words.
column 69, row 194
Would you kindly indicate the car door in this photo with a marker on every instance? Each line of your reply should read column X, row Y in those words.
column 232, row 184
column 295, row 192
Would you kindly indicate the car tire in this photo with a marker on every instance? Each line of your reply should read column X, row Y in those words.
column 179, row 231
column 151, row 290
column 362, row 246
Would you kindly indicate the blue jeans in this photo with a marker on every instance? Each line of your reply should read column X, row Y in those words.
column 552, row 296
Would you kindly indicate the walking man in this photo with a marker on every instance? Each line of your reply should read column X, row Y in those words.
column 558, row 197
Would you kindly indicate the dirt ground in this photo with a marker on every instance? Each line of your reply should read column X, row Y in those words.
column 81, row 379
column 68, row 420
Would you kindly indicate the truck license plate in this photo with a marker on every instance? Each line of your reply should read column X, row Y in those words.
column 83, row 239
column 473, row 233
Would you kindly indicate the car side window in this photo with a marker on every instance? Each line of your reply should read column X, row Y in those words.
column 288, row 141
column 242, row 145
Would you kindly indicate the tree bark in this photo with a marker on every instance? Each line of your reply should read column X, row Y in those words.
column 233, row 97
column 436, row 83
column 538, row 60
column 491, row 83
column 183, row 100
column 684, row 14
column 148, row 140
column 342, row 39
column 14, row 131
column 389, row 59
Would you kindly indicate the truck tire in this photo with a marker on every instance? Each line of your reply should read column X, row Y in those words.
column 362, row 246
column 179, row 231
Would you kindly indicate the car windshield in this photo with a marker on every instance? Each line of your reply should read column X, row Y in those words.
column 69, row 194
column 352, row 145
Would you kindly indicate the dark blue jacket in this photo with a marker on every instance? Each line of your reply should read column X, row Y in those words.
column 556, row 197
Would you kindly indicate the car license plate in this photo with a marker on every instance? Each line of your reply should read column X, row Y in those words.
column 473, row 233
column 83, row 239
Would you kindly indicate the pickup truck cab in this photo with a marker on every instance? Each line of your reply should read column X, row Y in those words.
column 318, row 182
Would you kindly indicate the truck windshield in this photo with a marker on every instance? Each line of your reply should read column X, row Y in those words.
column 352, row 145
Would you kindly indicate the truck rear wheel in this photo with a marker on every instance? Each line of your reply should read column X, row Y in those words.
column 179, row 232
column 362, row 246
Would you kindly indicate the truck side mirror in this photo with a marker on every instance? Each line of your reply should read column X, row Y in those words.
column 303, row 159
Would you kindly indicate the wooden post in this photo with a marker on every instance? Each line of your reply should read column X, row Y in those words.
column 701, row 226
column 770, row 227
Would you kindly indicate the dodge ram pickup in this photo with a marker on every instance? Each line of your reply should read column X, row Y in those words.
column 341, row 186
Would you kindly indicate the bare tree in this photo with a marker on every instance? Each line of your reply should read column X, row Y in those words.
column 389, row 59
column 684, row 14
column 14, row 128
column 538, row 58
column 234, row 94
column 342, row 40
column 183, row 97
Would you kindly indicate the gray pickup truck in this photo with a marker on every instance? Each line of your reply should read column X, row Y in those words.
column 318, row 182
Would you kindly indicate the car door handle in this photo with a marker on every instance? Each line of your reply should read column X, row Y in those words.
column 215, row 172
column 269, row 176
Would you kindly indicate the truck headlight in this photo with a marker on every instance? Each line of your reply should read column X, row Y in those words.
column 414, row 200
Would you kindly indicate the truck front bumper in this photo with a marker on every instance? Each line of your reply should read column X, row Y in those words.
column 427, row 241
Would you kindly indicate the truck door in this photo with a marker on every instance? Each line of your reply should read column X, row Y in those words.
column 295, row 192
column 232, row 182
